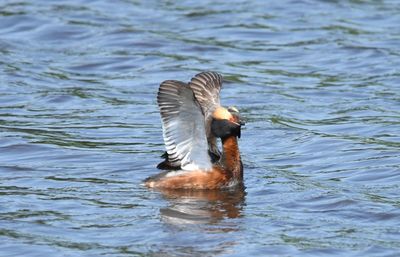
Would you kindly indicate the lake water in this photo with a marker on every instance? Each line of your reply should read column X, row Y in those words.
column 319, row 85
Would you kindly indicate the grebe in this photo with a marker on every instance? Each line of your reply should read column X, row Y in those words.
column 192, row 119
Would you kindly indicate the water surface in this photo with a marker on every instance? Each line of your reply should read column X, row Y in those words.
column 318, row 82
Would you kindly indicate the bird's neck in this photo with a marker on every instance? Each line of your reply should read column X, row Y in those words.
column 231, row 157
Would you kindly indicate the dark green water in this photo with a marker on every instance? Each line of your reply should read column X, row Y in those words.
column 319, row 84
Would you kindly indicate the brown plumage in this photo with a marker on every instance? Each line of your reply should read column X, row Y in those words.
column 191, row 123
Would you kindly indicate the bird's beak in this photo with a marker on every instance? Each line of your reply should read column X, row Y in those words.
column 241, row 119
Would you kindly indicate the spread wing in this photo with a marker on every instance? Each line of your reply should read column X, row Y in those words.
column 206, row 87
column 183, row 126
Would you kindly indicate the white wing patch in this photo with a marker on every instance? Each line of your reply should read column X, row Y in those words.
column 183, row 126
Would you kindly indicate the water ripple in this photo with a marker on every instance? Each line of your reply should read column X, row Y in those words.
column 79, row 128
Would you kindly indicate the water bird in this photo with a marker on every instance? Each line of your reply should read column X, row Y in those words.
column 192, row 120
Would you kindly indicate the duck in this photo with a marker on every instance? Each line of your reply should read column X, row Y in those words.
column 192, row 121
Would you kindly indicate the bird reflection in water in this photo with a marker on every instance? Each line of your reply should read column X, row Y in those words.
column 202, row 206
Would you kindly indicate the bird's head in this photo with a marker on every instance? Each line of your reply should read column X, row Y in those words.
column 226, row 122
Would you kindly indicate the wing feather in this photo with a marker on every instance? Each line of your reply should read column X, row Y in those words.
column 183, row 126
column 206, row 87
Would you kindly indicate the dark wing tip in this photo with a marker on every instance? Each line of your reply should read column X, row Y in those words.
column 206, row 86
column 212, row 74
column 169, row 88
column 209, row 78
